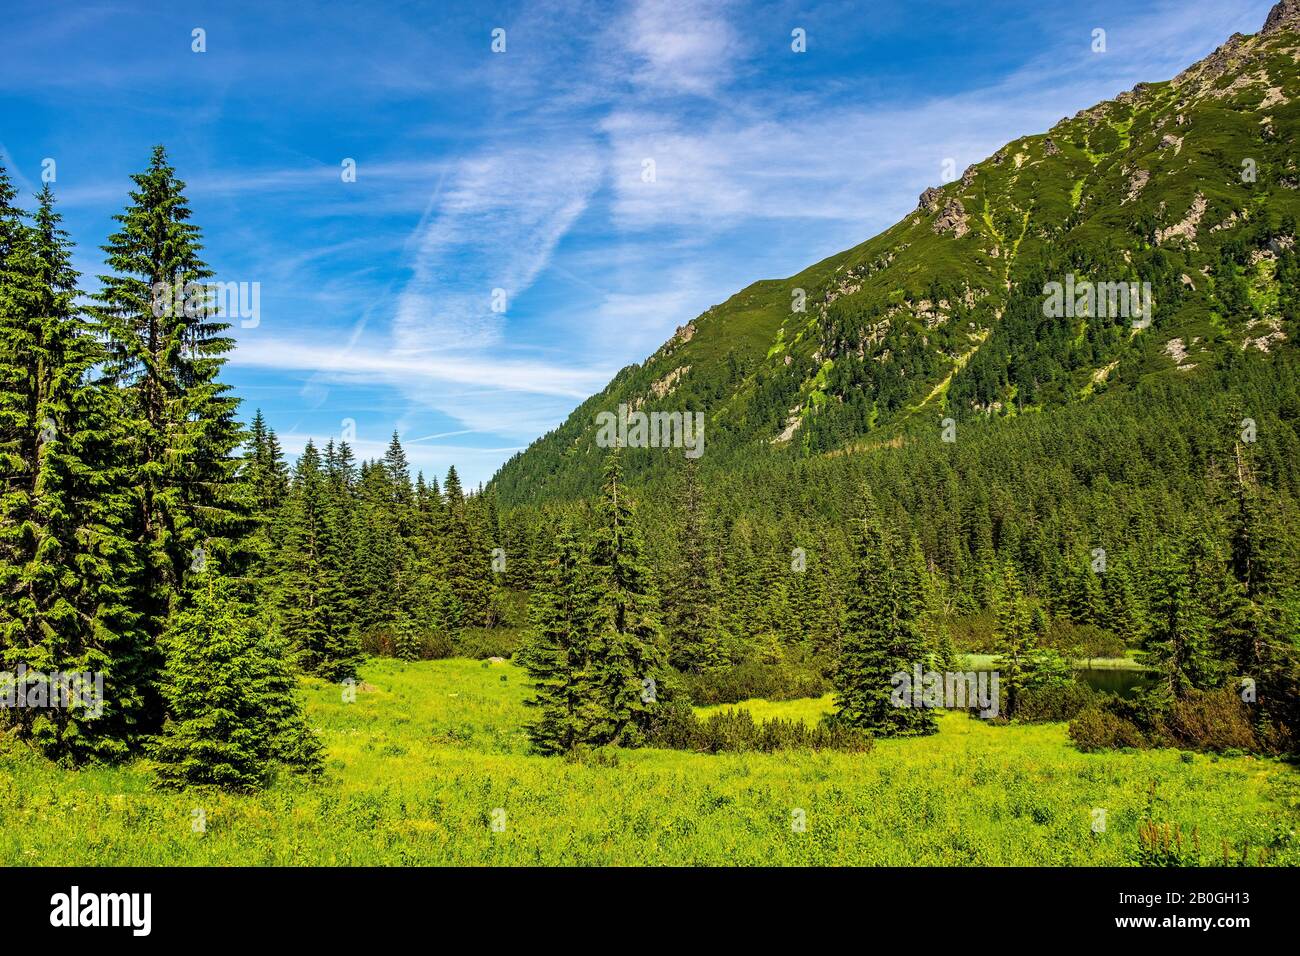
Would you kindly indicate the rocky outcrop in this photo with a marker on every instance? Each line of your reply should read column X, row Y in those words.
column 1187, row 228
column 665, row 385
column 930, row 199
column 1285, row 15
column 952, row 219
column 1139, row 179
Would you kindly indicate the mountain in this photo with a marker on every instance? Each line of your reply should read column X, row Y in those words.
column 1185, row 191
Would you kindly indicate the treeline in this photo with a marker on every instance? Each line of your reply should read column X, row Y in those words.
column 1069, row 534
column 360, row 558
column 147, row 539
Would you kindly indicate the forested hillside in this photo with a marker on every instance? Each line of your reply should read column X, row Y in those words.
column 1188, row 184
column 1051, row 480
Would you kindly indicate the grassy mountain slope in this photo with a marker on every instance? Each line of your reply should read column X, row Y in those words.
column 1189, row 185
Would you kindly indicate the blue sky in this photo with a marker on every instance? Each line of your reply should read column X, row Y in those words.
column 523, row 170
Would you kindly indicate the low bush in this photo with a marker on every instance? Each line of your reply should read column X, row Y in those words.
column 1096, row 728
column 480, row 643
column 744, row 681
column 1212, row 720
column 382, row 642
column 476, row 643
column 1215, row 720
column 735, row 731
column 1064, row 702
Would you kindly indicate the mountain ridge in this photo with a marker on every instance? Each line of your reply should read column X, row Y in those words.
column 1187, row 186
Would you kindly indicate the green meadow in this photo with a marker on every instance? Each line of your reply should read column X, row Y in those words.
column 432, row 755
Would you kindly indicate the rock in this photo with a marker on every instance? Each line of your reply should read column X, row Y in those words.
column 1051, row 147
column 1187, row 228
column 665, row 385
column 1285, row 15
column 968, row 176
column 930, row 199
column 952, row 219
column 1135, row 184
column 496, row 660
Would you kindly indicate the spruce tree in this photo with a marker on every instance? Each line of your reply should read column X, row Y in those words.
column 466, row 560
column 65, row 563
column 232, row 713
column 882, row 637
column 1014, row 640
column 688, row 614
column 629, row 660
column 558, row 654
column 1178, row 639
column 313, row 606
column 165, row 351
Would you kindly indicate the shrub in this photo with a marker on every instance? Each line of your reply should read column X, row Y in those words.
column 480, row 643
column 1096, row 728
column 1083, row 641
column 429, row 645
column 1215, row 720
column 1064, row 702
column 735, row 731
column 1212, row 720
column 750, row 679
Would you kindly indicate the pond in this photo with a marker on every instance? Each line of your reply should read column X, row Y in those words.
column 1112, row 680
column 1123, row 682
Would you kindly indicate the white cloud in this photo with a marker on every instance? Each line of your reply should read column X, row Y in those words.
column 418, row 371
column 496, row 226
column 682, row 46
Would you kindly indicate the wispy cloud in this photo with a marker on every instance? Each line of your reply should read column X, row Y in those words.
column 369, row 364
column 496, row 227
column 681, row 46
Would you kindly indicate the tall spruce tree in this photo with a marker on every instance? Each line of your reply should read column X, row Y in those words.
column 882, row 636
column 1014, row 640
column 165, row 351
column 558, row 654
column 65, row 564
column 313, row 601
column 688, row 613
column 467, row 557
column 1178, row 639
column 630, row 662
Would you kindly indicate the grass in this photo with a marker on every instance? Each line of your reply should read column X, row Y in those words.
column 420, row 762
column 1126, row 663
